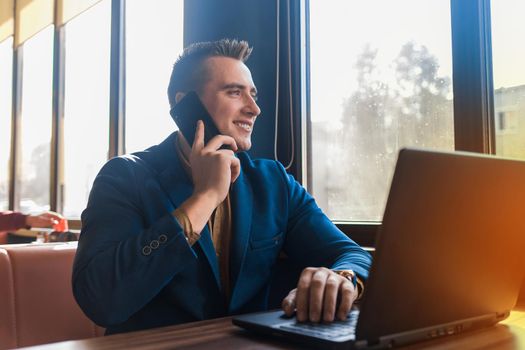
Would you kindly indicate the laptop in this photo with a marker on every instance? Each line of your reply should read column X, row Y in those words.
column 449, row 256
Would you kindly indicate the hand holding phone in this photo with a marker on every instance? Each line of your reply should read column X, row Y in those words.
column 213, row 170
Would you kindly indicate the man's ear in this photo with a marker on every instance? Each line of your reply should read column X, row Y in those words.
column 178, row 96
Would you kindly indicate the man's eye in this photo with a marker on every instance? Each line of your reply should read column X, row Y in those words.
column 235, row 92
column 255, row 97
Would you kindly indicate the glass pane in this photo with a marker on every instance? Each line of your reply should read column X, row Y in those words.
column 86, row 109
column 153, row 42
column 37, row 81
column 6, row 72
column 380, row 80
column 508, row 51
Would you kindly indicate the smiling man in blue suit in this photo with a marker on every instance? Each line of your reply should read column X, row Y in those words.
column 181, row 233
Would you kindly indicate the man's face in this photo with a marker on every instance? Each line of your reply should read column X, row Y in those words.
column 229, row 95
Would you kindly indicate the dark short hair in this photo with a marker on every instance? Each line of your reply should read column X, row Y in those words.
column 189, row 72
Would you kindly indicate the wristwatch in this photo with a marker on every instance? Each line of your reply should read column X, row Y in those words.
column 348, row 274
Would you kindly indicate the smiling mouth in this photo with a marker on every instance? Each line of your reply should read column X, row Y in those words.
column 244, row 126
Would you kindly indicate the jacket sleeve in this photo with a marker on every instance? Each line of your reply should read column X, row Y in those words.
column 120, row 263
column 313, row 240
column 10, row 220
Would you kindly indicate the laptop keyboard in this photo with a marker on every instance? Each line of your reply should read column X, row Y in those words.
column 325, row 330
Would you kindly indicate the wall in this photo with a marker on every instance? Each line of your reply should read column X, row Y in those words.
column 207, row 20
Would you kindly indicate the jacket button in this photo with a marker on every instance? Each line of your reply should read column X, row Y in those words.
column 146, row 250
column 163, row 238
column 154, row 244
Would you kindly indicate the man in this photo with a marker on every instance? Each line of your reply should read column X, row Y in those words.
column 182, row 232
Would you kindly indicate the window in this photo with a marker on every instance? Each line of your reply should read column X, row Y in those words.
column 382, row 82
column 153, row 41
column 35, row 133
column 6, row 67
column 86, row 104
column 508, row 30
column 507, row 121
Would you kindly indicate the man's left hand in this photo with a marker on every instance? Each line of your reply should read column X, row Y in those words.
column 321, row 294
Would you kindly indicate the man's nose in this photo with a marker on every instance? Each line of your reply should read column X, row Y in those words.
column 251, row 106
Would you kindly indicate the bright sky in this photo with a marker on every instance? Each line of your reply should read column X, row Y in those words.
column 86, row 110
column 387, row 25
column 36, row 89
column 508, row 50
column 153, row 42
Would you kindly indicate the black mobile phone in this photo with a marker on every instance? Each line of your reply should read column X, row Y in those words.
column 187, row 112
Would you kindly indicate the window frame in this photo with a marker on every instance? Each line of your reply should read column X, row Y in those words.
column 116, row 119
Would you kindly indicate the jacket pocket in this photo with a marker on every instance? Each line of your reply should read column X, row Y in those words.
column 266, row 243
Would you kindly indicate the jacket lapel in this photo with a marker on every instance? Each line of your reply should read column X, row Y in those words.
column 179, row 187
column 242, row 205
column 207, row 247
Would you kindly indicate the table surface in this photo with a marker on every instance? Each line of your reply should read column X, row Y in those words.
column 221, row 334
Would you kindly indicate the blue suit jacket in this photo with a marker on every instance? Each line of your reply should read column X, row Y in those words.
column 122, row 287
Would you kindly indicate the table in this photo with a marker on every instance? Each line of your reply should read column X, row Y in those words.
column 221, row 334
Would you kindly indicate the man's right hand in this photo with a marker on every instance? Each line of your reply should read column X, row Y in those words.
column 213, row 169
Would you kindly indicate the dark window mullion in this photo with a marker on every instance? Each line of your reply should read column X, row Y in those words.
column 117, row 83
column 472, row 76
column 306, row 97
column 291, row 121
column 14, row 185
column 57, row 131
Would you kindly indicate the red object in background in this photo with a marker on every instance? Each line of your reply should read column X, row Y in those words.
column 61, row 226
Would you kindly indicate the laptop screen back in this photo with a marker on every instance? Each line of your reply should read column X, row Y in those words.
column 452, row 243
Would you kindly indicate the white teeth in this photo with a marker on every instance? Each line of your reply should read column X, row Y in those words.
column 245, row 126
